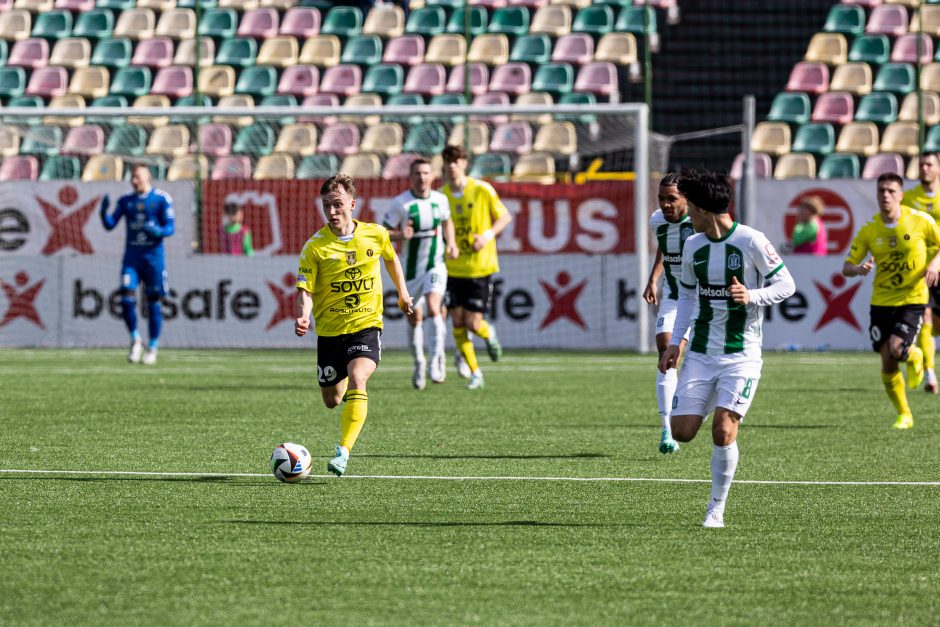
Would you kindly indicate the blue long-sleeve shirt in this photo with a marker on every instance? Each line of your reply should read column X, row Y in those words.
column 149, row 218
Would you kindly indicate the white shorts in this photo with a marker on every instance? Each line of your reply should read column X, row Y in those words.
column 666, row 317
column 434, row 281
column 710, row 381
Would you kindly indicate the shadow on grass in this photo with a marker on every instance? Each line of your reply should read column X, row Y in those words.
column 510, row 456
column 240, row 481
column 791, row 427
column 408, row 523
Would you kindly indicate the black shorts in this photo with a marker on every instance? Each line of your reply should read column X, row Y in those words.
column 334, row 353
column 903, row 321
column 471, row 294
column 934, row 302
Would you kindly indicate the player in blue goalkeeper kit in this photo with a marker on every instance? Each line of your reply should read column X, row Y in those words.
column 148, row 214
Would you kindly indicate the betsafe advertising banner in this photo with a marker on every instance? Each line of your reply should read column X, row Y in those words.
column 54, row 218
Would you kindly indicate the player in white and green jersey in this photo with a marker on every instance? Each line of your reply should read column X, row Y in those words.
column 420, row 219
column 671, row 226
column 729, row 272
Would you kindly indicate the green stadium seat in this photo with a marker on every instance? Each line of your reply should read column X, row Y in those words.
column 191, row 4
column 492, row 166
column 281, row 100
column 878, row 107
column 132, row 82
column 578, row 98
column 53, row 25
column 342, row 21
column 111, row 100
column 12, row 82
column 818, row 138
column 219, row 23
column 127, row 139
column 255, row 140
column 365, row 50
column 554, row 78
column 896, row 77
column 94, row 24
column 478, row 21
column 839, row 165
column 406, row 100
column 117, row 5
column 533, row 49
column 792, row 107
column 190, row 101
column 932, row 144
column 447, row 100
column 113, row 53
column 845, row 18
column 386, row 79
column 871, row 48
column 428, row 21
column 512, row 21
column 453, row 4
column 61, row 168
column 317, row 167
column 631, row 20
column 596, row 20
column 237, row 52
column 258, row 81
column 42, row 141
column 4, row 52
column 427, row 138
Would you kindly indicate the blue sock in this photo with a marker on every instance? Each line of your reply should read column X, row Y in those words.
column 155, row 320
column 129, row 313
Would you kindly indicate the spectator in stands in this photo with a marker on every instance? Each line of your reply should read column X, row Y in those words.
column 236, row 238
column 809, row 235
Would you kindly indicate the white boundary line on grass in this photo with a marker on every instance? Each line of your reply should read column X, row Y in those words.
column 145, row 473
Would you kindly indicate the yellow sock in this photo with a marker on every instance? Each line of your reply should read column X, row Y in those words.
column 894, row 387
column 354, row 416
column 925, row 342
column 484, row 330
column 465, row 346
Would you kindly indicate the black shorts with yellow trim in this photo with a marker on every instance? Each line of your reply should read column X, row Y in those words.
column 335, row 352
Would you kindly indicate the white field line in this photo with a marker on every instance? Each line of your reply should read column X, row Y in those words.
column 143, row 473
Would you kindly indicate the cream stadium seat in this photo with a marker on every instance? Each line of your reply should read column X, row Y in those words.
column 104, row 168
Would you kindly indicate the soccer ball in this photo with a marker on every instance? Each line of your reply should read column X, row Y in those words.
column 290, row 462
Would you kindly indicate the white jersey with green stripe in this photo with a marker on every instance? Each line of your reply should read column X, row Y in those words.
column 425, row 249
column 721, row 326
column 671, row 237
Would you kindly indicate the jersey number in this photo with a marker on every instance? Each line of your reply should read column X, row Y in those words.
column 325, row 375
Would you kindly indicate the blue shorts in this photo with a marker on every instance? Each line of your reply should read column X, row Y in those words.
column 151, row 271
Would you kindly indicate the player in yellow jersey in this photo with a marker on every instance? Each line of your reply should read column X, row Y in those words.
column 340, row 283
column 898, row 239
column 478, row 216
column 924, row 197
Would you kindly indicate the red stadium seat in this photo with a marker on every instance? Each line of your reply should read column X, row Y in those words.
column 428, row 79
column 301, row 22
column 320, row 100
column 84, row 140
column 599, row 79
column 888, row 19
column 299, row 80
column 48, row 81
column 341, row 138
column 812, row 78
column 175, row 81
column 883, row 162
column 836, row 107
column 511, row 78
column 576, row 48
column 29, row 53
column 78, row 6
column 259, row 23
column 398, row 166
column 479, row 79
column 215, row 139
column 343, row 80
column 512, row 137
column 905, row 49
column 490, row 99
column 231, row 167
column 156, row 52
column 19, row 168
column 405, row 50
column 763, row 167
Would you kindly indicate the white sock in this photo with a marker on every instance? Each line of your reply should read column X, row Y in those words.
column 665, row 392
column 724, row 463
column 437, row 337
column 416, row 338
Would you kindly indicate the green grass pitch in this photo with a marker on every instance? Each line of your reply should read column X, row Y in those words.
column 527, row 549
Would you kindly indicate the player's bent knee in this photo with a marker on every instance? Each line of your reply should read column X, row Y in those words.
column 684, row 428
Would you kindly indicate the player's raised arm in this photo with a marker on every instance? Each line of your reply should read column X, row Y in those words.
column 649, row 294
column 108, row 220
column 405, row 301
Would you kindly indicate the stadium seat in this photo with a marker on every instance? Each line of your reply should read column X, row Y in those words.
column 157, row 5
column 492, row 98
column 33, row 6
column 491, row 49
column 341, row 138
column 5, row 52
column 238, row 52
column 259, row 23
column 321, row 50
column 533, row 49
column 406, row 50
column 150, row 101
column 479, row 78
column 344, row 22
column 930, row 77
column 533, row 98
column 177, row 24
column 15, row 24
column 632, row 20
column 478, row 141
column 90, row 82
column 575, row 48
column 479, row 20
column 427, row 138
column 808, row 77
column 112, row 53
column 319, row 166
column 536, row 167
column 186, row 52
column 53, row 25
column 220, row 24
column 232, row 101
column 835, row 107
column 170, row 140
column 772, row 138
column 41, row 141
column 217, row 81
column 596, row 20
column 127, row 139
column 620, row 49
column 328, row 101
column 554, row 78
column 599, row 79
column 385, row 139
column 297, row 139
column 874, row 49
column 829, row 48
column 84, row 141
column 385, row 20
column 117, row 5
column 48, row 82
column 447, row 50
column 818, row 138
column 763, row 168
column 231, row 167
column 901, row 137
column 274, row 167
column 364, row 51
column 183, row 168
column 839, row 166
column 19, row 168
column 427, row 21
column 854, row 78
column 932, row 143
column 887, row 20
column 878, row 107
column 95, row 24
column 795, row 165
column 136, row 24
column 428, row 79
column 560, row 138
column 511, row 78
column 299, row 80
column 9, row 140
column 154, row 53
column 931, row 108
column 256, row 139
column 792, row 107
column 512, row 137
column 362, row 166
column 361, row 101
column 405, row 100
column 301, row 22
column 926, row 20
column 343, row 80
column 386, row 79
column 512, row 21
column 398, row 166
column 896, row 77
column 860, row 138
column 258, row 81
column 61, row 168
column 73, row 52
column 288, row 101
column 131, row 81
column 906, row 49
column 174, row 81
column 847, row 19
column 491, row 166
column 281, row 52
column 68, row 101
column 881, row 163
column 553, row 20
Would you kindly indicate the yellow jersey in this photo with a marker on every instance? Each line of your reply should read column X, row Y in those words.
column 918, row 198
column 344, row 278
column 900, row 254
column 472, row 213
